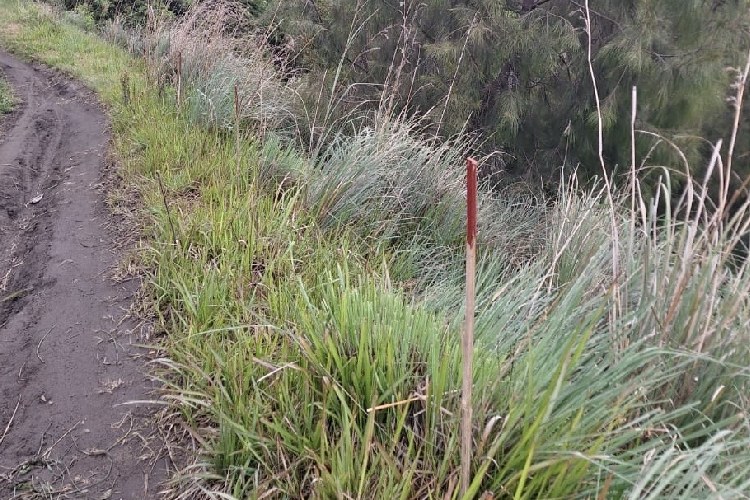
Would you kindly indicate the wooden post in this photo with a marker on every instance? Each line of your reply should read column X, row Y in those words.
column 467, row 340
column 125, row 83
column 179, row 79
column 237, row 126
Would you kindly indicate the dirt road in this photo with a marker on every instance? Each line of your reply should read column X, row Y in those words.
column 66, row 363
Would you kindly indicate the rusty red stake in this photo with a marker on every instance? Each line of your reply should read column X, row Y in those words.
column 467, row 340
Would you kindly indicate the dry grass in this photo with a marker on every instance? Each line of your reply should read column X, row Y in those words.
column 218, row 51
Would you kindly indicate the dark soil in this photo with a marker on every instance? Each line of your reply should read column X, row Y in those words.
column 67, row 363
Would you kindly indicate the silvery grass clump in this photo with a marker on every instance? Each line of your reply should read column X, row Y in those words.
column 115, row 32
column 130, row 38
column 281, row 167
column 391, row 183
column 219, row 51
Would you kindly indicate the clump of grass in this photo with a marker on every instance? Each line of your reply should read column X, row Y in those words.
column 401, row 189
column 7, row 99
column 130, row 38
column 218, row 53
column 390, row 185
column 80, row 17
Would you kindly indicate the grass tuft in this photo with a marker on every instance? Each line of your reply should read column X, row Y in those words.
column 7, row 99
column 217, row 53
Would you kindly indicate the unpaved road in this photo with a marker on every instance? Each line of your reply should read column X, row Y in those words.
column 66, row 365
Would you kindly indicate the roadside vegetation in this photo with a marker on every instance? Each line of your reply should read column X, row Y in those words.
column 7, row 100
column 307, row 289
column 516, row 73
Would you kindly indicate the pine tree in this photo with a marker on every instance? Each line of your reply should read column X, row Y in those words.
column 516, row 71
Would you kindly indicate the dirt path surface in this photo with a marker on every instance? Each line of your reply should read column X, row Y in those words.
column 66, row 363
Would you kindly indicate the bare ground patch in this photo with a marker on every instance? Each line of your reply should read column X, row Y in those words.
column 70, row 366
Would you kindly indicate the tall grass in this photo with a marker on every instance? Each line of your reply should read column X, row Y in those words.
column 219, row 51
column 311, row 309
column 130, row 38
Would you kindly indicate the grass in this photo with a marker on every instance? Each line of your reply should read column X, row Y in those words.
column 310, row 311
column 7, row 100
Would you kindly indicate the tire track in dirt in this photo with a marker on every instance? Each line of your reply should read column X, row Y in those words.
column 66, row 359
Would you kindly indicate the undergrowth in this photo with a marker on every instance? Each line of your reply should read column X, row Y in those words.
column 310, row 308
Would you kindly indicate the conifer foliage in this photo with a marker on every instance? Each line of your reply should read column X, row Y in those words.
column 516, row 71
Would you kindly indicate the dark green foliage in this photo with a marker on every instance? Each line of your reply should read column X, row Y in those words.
column 256, row 7
column 517, row 71
column 134, row 11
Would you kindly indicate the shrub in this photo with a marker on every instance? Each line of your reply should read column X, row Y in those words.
column 517, row 71
column 134, row 12
column 81, row 17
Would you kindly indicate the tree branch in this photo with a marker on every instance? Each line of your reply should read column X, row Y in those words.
column 529, row 5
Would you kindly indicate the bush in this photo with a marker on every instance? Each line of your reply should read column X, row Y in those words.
column 82, row 17
column 517, row 72
column 134, row 12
